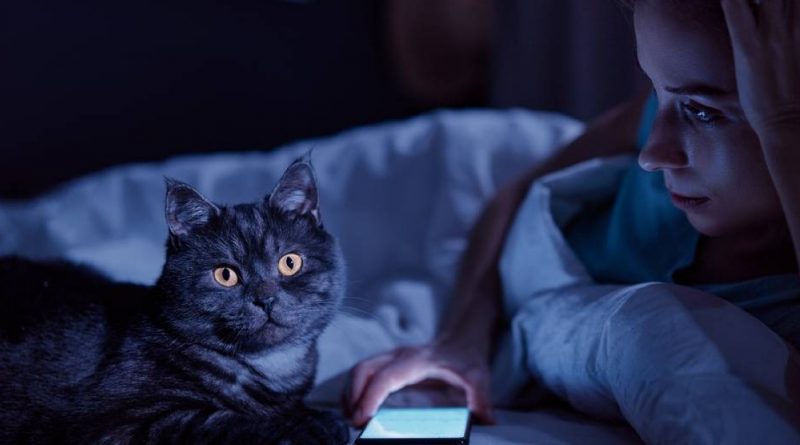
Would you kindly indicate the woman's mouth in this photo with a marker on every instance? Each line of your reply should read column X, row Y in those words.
column 687, row 202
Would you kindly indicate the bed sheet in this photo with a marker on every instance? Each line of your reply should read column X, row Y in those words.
column 400, row 196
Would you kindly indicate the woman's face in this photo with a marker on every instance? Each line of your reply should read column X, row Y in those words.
column 710, row 156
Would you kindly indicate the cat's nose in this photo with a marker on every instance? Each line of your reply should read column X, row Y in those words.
column 266, row 303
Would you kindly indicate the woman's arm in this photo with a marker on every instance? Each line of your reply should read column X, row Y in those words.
column 460, row 354
column 766, row 53
column 782, row 152
column 476, row 304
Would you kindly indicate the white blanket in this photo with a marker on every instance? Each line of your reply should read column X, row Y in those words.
column 680, row 365
column 677, row 364
column 401, row 198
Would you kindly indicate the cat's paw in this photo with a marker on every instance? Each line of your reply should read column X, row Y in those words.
column 318, row 428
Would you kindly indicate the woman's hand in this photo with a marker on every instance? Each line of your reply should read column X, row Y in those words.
column 765, row 35
column 766, row 52
column 375, row 378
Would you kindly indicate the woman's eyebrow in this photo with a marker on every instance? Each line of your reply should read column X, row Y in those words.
column 699, row 90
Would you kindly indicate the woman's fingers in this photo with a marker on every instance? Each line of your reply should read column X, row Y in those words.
column 475, row 385
column 374, row 379
column 740, row 20
column 743, row 31
column 479, row 401
column 361, row 375
column 400, row 374
column 765, row 21
column 766, row 49
column 392, row 377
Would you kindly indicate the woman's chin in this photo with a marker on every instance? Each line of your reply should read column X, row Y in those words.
column 717, row 226
column 707, row 225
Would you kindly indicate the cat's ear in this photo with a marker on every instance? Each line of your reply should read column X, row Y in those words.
column 296, row 192
column 186, row 208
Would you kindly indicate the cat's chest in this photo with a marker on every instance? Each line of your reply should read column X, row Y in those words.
column 281, row 369
column 261, row 379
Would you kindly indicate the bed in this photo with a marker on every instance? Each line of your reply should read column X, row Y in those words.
column 400, row 196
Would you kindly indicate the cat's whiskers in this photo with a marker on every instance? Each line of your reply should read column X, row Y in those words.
column 342, row 308
column 337, row 324
column 358, row 312
column 365, row 300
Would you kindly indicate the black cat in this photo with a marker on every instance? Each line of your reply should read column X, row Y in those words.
column 220, row 350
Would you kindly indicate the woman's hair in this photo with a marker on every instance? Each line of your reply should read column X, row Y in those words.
column 702, row 12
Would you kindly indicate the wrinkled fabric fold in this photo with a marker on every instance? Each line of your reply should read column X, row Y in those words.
column 679, row 364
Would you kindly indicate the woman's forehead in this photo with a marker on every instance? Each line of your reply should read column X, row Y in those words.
column 674, row 49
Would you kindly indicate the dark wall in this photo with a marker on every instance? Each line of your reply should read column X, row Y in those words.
column 85, row 84
column 90, row 83
column 572, row 56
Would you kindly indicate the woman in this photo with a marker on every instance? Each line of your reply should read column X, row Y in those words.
column 725, row 139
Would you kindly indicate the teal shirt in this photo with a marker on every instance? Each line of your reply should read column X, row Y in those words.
column 640, row 236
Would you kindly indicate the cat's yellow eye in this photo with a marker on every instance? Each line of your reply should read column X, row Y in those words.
column 290, row 264
column 226, row 276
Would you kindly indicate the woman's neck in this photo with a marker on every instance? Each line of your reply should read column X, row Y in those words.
column 741, row 257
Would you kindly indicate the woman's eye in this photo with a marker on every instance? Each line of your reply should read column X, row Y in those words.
column 701, row 114
column 226, row 276
column 290, row 264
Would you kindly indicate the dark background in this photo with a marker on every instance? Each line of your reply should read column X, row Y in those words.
column 87, row 84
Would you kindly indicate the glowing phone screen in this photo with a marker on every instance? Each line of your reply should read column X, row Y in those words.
column 418, row 423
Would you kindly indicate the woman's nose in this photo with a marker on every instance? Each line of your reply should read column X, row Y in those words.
column 663, row 150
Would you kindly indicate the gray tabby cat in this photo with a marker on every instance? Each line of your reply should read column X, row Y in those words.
column 220, row 350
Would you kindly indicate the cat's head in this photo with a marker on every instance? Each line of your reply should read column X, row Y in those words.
column 251, row 276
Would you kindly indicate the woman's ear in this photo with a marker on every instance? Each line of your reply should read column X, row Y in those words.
column 186, row 208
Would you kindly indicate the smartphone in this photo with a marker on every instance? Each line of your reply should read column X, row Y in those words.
column 401, row 426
